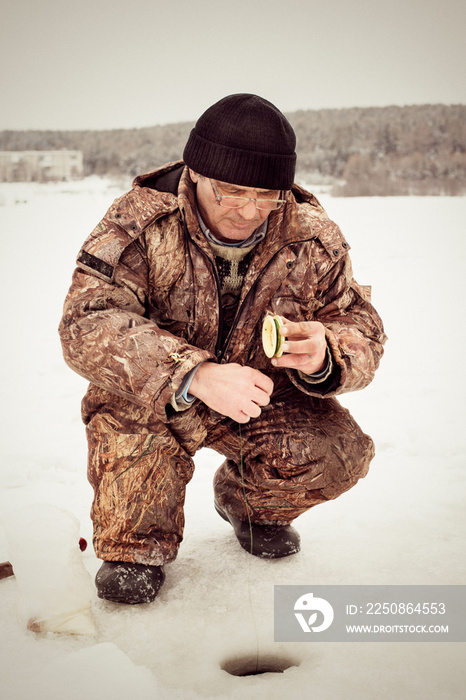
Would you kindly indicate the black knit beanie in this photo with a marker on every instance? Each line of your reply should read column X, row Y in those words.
column 244, row 140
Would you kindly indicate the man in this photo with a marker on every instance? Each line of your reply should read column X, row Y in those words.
column 164, row 318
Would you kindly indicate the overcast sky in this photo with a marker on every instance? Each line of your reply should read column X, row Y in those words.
column 100, row 64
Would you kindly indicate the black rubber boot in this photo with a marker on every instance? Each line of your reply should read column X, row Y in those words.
column 267, row 541
column 125, row 582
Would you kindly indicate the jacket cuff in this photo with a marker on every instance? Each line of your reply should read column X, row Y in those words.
column 163, row 384
column 321, row 376
column 182, row 399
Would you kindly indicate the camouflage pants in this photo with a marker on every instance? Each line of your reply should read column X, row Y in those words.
column 300, row 452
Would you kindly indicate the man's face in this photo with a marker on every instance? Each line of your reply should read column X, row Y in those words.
column 229, row 224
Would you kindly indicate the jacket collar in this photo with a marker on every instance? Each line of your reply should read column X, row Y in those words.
column 287, row 225
column 164, row 179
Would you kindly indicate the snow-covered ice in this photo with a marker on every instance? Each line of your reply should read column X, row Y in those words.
column 402, row 524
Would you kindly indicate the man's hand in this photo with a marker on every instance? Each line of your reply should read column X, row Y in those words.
column 305, row 346
column 232, row 390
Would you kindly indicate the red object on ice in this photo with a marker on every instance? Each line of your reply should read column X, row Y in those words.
column 82, row 544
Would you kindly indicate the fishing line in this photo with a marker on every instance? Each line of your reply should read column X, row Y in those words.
column 241, row 464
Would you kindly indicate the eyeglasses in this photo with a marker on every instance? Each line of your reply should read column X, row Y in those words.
column 232, row 202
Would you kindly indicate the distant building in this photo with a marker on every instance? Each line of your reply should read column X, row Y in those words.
column 40, row 166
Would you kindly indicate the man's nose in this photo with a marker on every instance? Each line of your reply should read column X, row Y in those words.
column 249, row 210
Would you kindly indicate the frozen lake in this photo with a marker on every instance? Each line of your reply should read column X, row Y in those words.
column 403, row 524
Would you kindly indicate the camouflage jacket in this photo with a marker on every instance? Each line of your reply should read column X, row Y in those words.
column 144, row 307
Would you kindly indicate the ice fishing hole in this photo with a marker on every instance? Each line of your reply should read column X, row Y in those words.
column 253, row 665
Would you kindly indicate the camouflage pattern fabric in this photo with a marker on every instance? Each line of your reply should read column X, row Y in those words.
column 144, row 309
column 139, row 483
column 300, row 452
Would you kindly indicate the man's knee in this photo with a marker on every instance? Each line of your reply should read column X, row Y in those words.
column 292, row 460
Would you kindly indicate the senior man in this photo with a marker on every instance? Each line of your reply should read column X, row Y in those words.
column 164, row 318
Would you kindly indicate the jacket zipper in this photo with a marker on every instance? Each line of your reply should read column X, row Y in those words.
column 218, row 343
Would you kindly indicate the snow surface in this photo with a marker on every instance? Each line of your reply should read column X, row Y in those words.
column 402, row 524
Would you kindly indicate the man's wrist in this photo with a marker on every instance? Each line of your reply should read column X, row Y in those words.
column 322, row 375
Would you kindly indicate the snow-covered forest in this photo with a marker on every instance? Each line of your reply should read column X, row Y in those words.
column 417, row 150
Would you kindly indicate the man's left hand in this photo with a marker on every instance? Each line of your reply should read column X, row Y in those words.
column 305, row 347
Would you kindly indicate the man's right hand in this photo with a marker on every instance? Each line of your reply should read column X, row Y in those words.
column 232, row 390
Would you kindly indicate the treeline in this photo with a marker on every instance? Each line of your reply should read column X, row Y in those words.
column 393, row 150
column 386, row 151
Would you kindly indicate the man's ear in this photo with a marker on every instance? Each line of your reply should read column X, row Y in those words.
column 194, row 176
